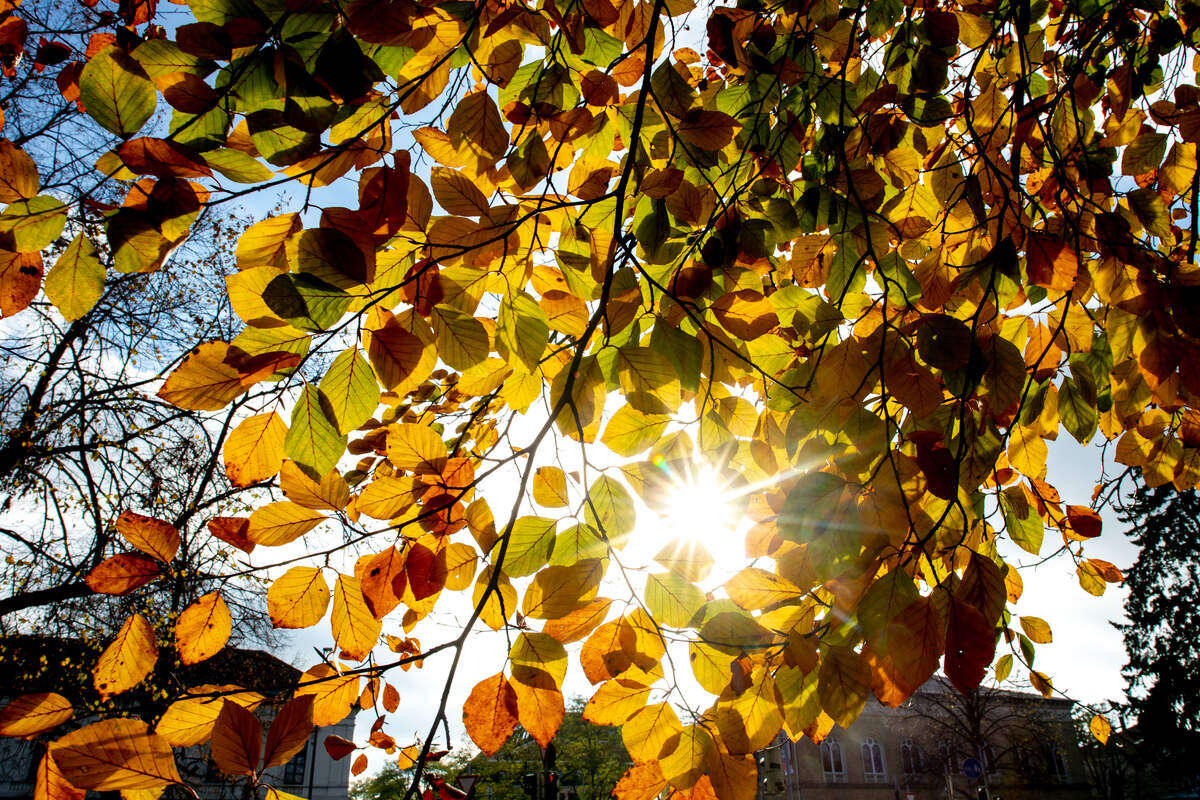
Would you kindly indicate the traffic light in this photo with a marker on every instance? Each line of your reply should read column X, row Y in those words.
column 551, row 784
column 530, row 784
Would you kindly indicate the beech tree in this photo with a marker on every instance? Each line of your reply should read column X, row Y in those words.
column 548, row 262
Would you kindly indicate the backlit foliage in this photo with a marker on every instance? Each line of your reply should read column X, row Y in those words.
column 543, row 256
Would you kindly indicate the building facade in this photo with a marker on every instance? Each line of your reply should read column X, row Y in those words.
column 1021, row 745
column 30, row 663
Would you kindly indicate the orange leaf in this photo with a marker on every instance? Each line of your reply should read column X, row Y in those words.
column 232, row 530
column 51, row 785
column 202, row 629
column 30, row 714
column 128, row 659
column 1052, row 263
column 490, row 713
column 236, row 740
column 540, row 705
column 338, row 748
column 580, row 622
column 122, row 573
column 289, row 731
column 215, row 373
column 115, row 754
column 152, row 536
column 640, row 782
column 391, row 698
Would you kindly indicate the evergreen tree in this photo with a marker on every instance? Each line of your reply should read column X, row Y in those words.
column 1162, row 637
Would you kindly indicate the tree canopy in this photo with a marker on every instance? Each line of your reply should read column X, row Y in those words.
column 538, row 261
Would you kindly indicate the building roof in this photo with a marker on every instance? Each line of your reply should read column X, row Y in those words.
column 34, row 663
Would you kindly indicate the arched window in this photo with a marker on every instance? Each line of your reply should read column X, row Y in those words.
column 831, row 761
column 874, row 769
column 910, row 757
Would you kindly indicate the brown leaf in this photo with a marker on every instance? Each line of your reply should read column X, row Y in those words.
column 236, row 740
column 289, row 731
column 122, row 573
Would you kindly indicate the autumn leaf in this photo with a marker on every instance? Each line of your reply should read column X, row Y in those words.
column 28, row 715
column 98, row 758
column 127, row 659
column 154, row 537
column 236, row 740
column 490, row 713
column 289, row 731
column 202, row 629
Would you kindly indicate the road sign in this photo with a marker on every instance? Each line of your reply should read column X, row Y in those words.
column 972, row 768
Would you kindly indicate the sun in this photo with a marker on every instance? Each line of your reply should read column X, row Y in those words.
column 704, row 505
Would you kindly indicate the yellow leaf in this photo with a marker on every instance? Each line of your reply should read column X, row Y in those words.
column 646, row 733
column 1100, row 728
column 550, row 487
column 128, row 659
column 30, row 714
column 189, row 721
column 1037, row 629
column 540, row 651
column 115, row 754
column 333, row 693
column 153, row 537
column 279, row 523
column 557, row 591
column 355, row 629
column 1027, row 451
column 754, row 589
column 540, row 704
column 51, row 785
column 685, row 757
column 844, row 683
column 254, row 450
column 298, row 598
column 615, row 702
column 416, row 448
column 202, row 629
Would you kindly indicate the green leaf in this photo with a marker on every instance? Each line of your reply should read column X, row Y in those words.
column 630, row 431
column 238, row 166
column 529, row 545
column 610, row 510
column 350, row 390
column 522, row 331
column 462, row 340
column 1004, row 667
column 575, row 544
column 1078, row 416
column 116, row 92
column 312, row 440
column 672, row 599
column 1021, row 520
column 27, row 226
column 76, row 280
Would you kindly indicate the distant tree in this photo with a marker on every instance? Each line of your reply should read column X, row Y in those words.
column 1162, row 636
column 589, row 758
